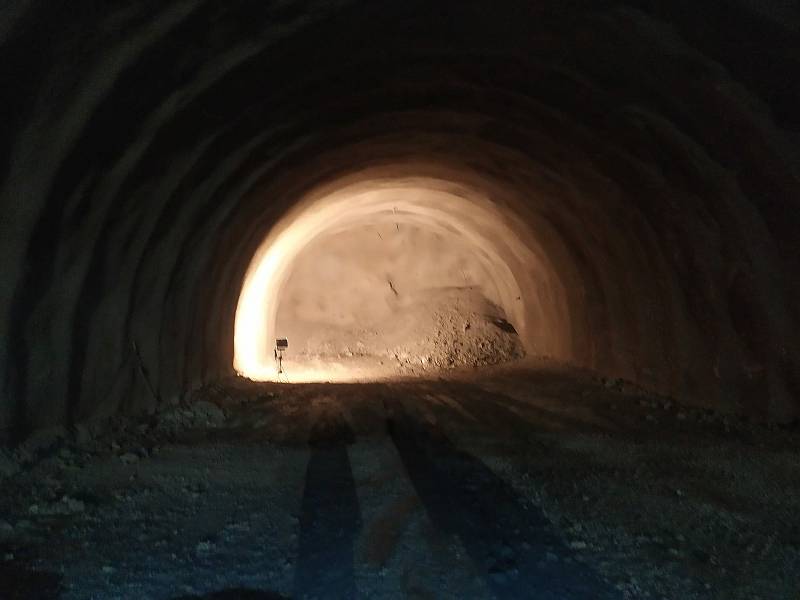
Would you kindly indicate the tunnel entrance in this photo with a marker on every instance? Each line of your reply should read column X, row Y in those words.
column 389, row 277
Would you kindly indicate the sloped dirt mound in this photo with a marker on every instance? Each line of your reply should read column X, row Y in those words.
column 429, row 330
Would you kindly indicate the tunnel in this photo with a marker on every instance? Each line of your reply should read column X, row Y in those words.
column 433, row 204
column 330, row 286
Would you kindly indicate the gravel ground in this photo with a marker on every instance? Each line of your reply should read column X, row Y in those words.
column 524, row 483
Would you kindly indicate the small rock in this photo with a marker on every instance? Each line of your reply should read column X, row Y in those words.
column 41, row 441
column 109, row 570
column 204, row 547
column 208, row 412
column 73, row 505
column 129, row 458
column 578, row 545
column 6, row 529
column 65, row 506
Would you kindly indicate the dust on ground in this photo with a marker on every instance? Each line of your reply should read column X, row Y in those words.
column 534, row 482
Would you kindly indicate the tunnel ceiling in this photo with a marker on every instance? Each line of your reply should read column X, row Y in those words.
column 649, row 149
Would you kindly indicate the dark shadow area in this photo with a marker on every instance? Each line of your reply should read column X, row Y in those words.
column 235, row 594
column 494, row 410
column 502, row 324
column 18, row 581
column 577, row 416
column 330, row 517
column 511, row 544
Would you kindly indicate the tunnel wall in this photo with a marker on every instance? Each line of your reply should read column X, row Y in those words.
column 343, row 279
column 149, row 146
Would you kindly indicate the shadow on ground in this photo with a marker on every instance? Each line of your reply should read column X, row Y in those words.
column 511, row 543
column 18, row 581
column 330, row 517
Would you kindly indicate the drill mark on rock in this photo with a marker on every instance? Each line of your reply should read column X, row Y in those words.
column 391, row 287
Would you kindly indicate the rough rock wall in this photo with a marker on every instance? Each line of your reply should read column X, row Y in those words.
column 358, row 276
column 148, row 146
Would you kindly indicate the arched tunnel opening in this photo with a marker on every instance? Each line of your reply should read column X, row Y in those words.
column 390, row 276
column 399, row 299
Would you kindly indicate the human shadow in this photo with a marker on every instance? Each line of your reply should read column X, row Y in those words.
column 512, row 544
column 19, row 582
column 330, row 517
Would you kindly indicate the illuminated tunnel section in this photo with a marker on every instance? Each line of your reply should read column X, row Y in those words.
column 500, row 254
column 630, row 181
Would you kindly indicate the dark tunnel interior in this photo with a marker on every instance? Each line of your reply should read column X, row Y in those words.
column 536, row 264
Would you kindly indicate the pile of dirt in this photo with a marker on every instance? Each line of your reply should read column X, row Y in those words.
column 432, row 330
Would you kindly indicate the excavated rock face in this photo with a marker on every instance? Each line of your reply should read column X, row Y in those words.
column 646, row 153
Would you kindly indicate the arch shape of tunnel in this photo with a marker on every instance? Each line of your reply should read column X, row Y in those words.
column 501, row 244
column 632, row 180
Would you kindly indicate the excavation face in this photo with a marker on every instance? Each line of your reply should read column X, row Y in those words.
column 384, row 278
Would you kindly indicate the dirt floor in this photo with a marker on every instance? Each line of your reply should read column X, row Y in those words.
column 529, row 482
